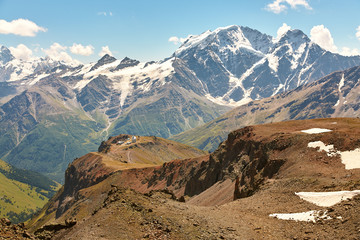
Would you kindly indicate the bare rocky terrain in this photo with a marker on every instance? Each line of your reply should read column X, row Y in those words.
column 229, row 194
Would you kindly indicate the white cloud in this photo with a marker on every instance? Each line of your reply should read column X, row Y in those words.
column 79, row 49
column 278, row 6
column 105, row 50
column 358, row 32
column 21, row 52
column 58, row 53
column 322, row 36
column 350, row 52
column 282, row 30
column 105, row 14
column 21, row 27
column 176, row 40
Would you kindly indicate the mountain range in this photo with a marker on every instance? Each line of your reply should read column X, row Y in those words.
column 336, row 95
column 52, row 112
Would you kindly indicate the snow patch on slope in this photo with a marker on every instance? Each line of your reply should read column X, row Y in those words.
column 327, row 199
column 341, row 83
column 38, row 78
column 351, row 159
column 310, row 216
column 146, row 77
column 273, row 62
column 297, row 55
column 316, row 130
column 122, row 79
column 329, row 149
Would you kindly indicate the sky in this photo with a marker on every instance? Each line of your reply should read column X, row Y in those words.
column 84, row 30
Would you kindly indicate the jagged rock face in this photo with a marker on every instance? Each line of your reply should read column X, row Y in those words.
column 13, row 231
column 94, row 93
column 5, row 55
column 239, row 158
column 106, row 59
column 252, row 155
column 79, row 175
column 126, row 62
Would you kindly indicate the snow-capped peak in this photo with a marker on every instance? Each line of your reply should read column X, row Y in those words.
column 224, row 35
column 228, row 38
column 295, row 37
column 18, row 69
column 5, row 55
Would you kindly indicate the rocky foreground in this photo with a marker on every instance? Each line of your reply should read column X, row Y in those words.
column 259, row 184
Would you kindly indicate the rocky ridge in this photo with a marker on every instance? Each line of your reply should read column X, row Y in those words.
column 253, row 174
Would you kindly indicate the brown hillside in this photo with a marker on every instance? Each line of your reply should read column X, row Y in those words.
column 260, row 167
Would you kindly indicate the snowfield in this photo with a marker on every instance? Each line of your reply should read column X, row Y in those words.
column 351, row 159
column 329, row 149
column 327, row 199
column 322, row 199
column 310, row 216
column 316, row 130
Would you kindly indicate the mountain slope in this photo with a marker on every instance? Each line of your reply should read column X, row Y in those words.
column 23, row 192
column 232, row 193
column 237, row 64
column 65, row 111
column 118, row 153
column 336, row 95
column 42, row 133
column 62, row 119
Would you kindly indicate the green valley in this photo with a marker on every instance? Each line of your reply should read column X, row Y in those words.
column 23, row 192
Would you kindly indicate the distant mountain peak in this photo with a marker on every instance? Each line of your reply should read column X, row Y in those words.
column 126, row 62
column 106, row 59
column 5, row 55
column 293, row 35
column 230, row 38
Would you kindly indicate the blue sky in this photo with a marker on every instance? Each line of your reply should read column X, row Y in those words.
column 141, row 29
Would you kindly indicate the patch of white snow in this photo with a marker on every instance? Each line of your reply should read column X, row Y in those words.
column 316, row 130
column 310, row 216
column 297, row 55
column 329, row 149
column 281, row 86
column 273, row 62
column 38, row 78
column 327, row 199
column 230, row 103
column 341, row 83
column 81, row 84
column 351, row 159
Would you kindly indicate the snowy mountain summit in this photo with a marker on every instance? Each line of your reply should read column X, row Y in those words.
column 5, row 55
column 13, row 69
column 230, row 66
column 238, row 64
